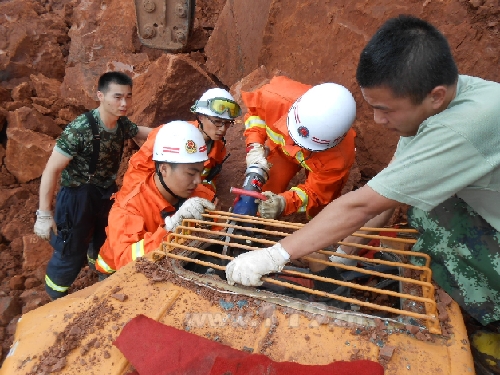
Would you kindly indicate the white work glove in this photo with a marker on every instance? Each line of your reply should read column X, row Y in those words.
column 344, row 261
column 257, row 155
column 272, row 207
column 248, row 268
column 193, row 208
column 44, row 222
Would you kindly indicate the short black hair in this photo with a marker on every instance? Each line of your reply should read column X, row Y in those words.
column 409, row 56
column 118, row 78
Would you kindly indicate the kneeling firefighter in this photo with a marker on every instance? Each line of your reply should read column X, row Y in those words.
column 140, row 220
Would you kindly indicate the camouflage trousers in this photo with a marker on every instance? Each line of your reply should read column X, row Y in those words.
column 465, row 255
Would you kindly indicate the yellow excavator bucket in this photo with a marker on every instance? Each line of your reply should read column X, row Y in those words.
column 385, row 309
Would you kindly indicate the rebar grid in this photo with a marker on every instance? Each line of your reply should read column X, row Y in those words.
column 215, row 229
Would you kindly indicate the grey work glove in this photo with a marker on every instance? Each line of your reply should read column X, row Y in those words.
column 345, row 261
column 193, row 208
column 272, row 207
column 257, row 156
column 248, row 268
column 44, row 222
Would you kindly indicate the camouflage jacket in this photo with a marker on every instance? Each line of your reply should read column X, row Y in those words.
column 75, row 142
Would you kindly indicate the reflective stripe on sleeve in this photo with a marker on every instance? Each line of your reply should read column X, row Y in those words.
column 279, row 140
column 54, row 286
column 255, row 122
column 211, row 184
column 303, row 197
column 137, row 249
column 104, row 266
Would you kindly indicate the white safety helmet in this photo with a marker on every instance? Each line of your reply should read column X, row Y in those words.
column 218, row 103
column 179, row 142
column 320, row 118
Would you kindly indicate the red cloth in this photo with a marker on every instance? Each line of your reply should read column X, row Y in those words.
column 156, row 349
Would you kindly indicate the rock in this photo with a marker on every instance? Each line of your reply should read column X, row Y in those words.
column 12, row 231
column 120, row 297
column 444, row 297
column 27, row 153
column 33, row 302
column 240, row 29
column 443, row 312
column 45, row 87
column 11, row 327
column 95, row 33
column 31, row 282
column 167, row 90
column 9, row 308
column 31, row 43
column 5, row 95
column 3, row 118
column 386, row 352
column 16, row 282
column 24, row 91
column 36, row 253
column 30, row 119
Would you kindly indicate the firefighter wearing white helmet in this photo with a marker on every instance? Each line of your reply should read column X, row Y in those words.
column 139, row 221
column 292, row 126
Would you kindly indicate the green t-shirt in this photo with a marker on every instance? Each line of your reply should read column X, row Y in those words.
column 456, row 151
column 75, row 142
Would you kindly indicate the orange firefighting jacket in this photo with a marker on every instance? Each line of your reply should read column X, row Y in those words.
column 266, row 123
column 141, row 164
column 136, row 224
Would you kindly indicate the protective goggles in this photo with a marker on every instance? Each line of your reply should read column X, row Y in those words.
column 220, row 106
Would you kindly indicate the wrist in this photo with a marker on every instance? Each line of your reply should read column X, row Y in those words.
column 282, row 251
column 43, row 212
column 251, row 146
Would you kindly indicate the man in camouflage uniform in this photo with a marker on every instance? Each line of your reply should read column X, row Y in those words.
column 446, row 166
column 87, row 182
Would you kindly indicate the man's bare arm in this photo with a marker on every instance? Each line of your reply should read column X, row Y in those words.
column 55, row 165
column 338, row 220
column 143, row 133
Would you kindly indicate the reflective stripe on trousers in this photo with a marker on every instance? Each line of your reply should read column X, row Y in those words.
column 54, row 286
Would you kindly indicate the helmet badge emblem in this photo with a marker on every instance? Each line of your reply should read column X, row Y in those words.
column 303, row 131
column 191, row 147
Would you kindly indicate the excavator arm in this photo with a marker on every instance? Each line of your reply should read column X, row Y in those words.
column 164, row 24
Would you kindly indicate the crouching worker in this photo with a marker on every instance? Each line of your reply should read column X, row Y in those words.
column 139, row 221
column 304, row 127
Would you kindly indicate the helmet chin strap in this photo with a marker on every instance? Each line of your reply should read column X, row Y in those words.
column 162, row 182
column 210, row 141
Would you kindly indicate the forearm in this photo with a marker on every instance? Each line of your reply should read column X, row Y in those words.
column 336, row 221
column 47, row 188
column 376, row 222
column 143, row 133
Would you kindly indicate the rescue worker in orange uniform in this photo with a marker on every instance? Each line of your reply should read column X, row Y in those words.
column 140, row 220
column 215, row 113
column 302, row 127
